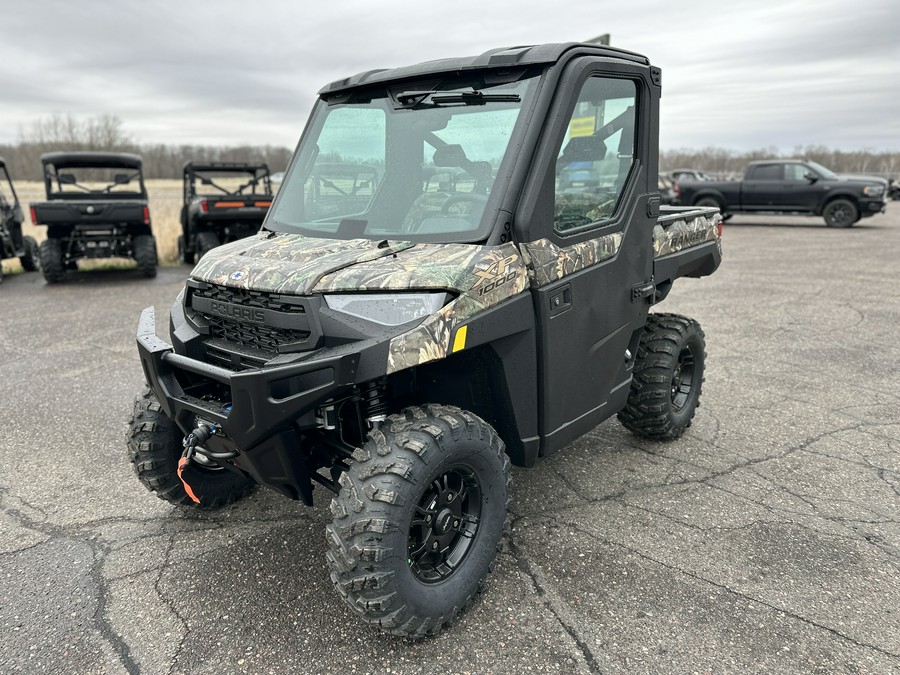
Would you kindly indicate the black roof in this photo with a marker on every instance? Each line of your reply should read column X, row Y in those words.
column 778, row 160
column 91, row 159
column 505, row 57
column 224, row 166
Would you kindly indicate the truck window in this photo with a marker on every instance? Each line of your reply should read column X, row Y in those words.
column 767, row 172
column 596, row 153
column 796, row 172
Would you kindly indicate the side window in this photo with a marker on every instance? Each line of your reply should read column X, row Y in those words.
column 768, row 172
column 796, row 172
column 596, row 153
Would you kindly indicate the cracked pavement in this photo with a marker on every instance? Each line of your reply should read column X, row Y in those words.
column 766, row 539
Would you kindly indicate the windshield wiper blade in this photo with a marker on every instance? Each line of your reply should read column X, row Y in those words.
column 475, row 98
column 412, row 99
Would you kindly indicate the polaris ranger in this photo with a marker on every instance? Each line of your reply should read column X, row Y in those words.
column 400, row 345
column 223, row 201
column 12, row 243
column 96, row 208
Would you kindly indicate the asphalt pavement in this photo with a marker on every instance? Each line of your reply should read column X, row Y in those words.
column 767, row 539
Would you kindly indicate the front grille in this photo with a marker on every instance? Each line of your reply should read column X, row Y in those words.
column 284, row 326
column 254, row 335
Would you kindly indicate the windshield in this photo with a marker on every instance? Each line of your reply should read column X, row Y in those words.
column 229, row 183
column 417, row 162
column 821, row 170
column 92, row 181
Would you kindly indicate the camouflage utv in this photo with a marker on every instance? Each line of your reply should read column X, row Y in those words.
column 433, row 296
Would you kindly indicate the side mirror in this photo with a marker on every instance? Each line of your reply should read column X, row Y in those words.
column 66, row 179
column 582, row 149
column 121, row 179
column 811, row 177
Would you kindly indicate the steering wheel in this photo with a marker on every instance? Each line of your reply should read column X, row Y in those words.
column 463, row 197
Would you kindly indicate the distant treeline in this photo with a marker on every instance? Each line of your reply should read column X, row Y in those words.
column 724, row 163
column 105, row 134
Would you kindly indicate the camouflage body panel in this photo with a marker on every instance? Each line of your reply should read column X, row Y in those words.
column 684, row 233
column 485, row 276
column 287, row 263
column 550, row 262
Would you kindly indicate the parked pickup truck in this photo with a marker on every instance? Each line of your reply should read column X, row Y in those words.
column 441, row 302
column 791, row 187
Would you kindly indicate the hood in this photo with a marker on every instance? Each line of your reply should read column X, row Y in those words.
column 860, row 178
column 287, row 263
column 296, row 265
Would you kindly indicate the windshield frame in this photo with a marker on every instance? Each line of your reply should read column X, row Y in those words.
column 301, row 165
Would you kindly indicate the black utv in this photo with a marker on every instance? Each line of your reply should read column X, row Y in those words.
column 223, row 201
column 432, row 297
column 12, row 243
column 96, row 208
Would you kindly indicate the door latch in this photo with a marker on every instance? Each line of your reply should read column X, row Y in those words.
column 642, row 290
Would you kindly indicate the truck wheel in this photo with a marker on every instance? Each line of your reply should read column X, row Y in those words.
column 206, row 242
column 145, row 254
column 31, row 259
column 184, row 256
column 154, row 447
column 712, row 201
column 668, row 376
column 419, row 519
column 840, row 213
column 52, row 264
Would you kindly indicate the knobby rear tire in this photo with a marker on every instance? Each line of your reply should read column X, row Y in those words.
column 667, row 378
column 52, row 264
column 31, row 259
column 145, row 254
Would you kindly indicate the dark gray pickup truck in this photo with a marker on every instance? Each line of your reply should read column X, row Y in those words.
column 795, row 187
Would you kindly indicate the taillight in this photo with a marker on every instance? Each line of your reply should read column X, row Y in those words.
column 204, row 206
column 229, row 205
column 719, row 227
column 262, row 205
column 146, row 215
column 33, row 216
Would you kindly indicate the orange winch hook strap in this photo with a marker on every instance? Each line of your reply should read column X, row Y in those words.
column 182, row 462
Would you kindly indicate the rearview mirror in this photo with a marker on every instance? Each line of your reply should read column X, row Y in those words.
column 66, row 179
column 121, row 179
column 205, row 181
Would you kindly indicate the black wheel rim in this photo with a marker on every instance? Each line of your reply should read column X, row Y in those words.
column 444, row 525
column 683, row 379
column 840, row 214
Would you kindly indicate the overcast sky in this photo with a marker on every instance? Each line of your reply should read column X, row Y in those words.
column 738, row 74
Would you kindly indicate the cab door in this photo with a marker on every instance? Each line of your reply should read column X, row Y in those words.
column 586, row 222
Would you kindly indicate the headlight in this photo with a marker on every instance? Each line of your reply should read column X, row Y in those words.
column 873, row 190
column 388, row 309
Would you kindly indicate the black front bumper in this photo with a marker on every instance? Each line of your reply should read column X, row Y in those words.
column 266, row 407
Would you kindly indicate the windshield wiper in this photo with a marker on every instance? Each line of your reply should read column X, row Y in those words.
column 411, row 99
